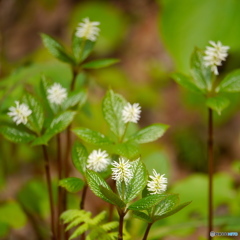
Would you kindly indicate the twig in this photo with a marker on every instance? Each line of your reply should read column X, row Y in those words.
column 210, row 171
column 48, row 177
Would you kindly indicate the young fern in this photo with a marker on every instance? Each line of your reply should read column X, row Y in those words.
column 96, row 227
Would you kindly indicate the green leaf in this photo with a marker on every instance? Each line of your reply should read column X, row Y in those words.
column 12, row 214
column 86, row 49
column 186, row 82
column 92, row 137
column 79, row 157
column 15, row 135
column 99, row 63
column 218, row 103
column 202, row 75
column 128, row 150
column 113, row 105
column 138, row 182
column 175, row 210
column 77, row 47
column 231, row 83
column 166, row 204
column 72, row 184
column 95, row 181
column 142, row 216
column 36, row 119
column 147, row 202
column 113, row 197
column 150, row 133
column 57, row 125
column 74, row 98
column 56, row 49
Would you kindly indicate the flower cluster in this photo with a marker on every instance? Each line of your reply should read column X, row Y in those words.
column 215, row 55
column 131, row 113
column 88, row 30
column 122, row 171
column 57, row 94
column 158, row 183
column 98, row 160
column 20, row 113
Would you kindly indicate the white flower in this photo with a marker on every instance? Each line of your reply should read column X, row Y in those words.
column 98, row 160
column 20, row 113
column 157, row 184
column 57, row 94
column 122, row 171
column 215, row 55
column 88, row 30
column 131, row 113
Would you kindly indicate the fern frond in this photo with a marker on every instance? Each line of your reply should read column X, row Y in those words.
column 74, row 223
column 109, row 226
column 80, row 230
column 99, row 218
column 69, row 215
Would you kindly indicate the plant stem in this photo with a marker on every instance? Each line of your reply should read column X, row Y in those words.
column 147, row 231
column 210, row 171
column 125, row 130
column 120, row 228
column 48, row 177
column 84, row 193
column 60, row 200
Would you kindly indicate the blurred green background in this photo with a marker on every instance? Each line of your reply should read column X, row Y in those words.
column 152, row 39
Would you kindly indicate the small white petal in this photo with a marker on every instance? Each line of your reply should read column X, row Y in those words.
column 131, row 113
column 215, row 55
column 98, row 160
column 88, row 30
column 122, row 171
column 19, row 113
column 158, row 183
column 56, row 94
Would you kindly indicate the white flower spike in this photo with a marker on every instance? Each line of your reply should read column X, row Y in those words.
column 131, row 113
column 88, row 30
column 157, row 184
column 20, row 113
column 98, row 160
column 57, row 94
column 215, row 55
column 122, row 171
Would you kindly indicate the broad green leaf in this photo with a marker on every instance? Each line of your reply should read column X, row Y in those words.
column 166, row 204
column 112, row 106
column 95, row 181
column 72, row 184
column 188, row 23
column 57, row 125
column 77, row 47
column 138, row 182
column 142, row 216
column 75, row 98
column 36, row 119
column 92, row 137
column 113, row 197
column 15, row 135
column 80, row 230
column 231, row 83
column 99, row 63
column 186, row 82
column 56, row 49
column 128, row 149
column 218, row 103
column 12, row 214
column 202, row 75
column 173, row 211
column 150, row 133
column 79, row 157
column 86, row 49
column 147, row 202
